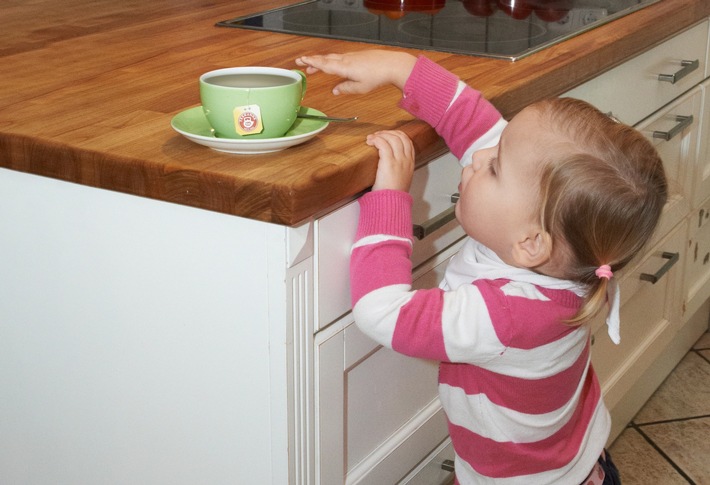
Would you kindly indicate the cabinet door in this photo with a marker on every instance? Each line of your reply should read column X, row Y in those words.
column 137, row 340
column 674, row 132
column 649, row 317
column 378, row 412
column 701, row 186
column 697, row 269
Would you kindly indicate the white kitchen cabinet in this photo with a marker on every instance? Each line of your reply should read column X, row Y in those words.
column 176, row 345
column 698, row 260
column 666, row 310
column 149, row 342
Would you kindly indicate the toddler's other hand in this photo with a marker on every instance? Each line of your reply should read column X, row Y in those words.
column 363, row 70
column 396, row 165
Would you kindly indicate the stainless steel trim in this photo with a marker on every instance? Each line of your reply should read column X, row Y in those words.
column 429, row 226
column 323, row 118
column 687, row 68
column 654, row 278
column 682, row 123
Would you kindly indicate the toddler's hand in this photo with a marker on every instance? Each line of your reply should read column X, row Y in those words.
column 364, row 70
column 396, row 165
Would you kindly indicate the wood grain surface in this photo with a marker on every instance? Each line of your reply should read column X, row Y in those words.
column 88, row 89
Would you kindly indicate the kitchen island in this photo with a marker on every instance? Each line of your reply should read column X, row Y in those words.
column 171, row 314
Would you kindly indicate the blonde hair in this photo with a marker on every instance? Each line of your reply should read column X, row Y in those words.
column 601, row 194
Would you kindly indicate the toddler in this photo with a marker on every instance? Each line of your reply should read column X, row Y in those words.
column 554, row 203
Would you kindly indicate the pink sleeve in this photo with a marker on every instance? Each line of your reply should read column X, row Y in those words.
column 428, row 95
column 380, row 265
column 382, row 242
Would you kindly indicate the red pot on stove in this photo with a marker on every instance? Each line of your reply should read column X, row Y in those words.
column 552, row 10
column 518, row 9
column 396, row 9
column 480, row 8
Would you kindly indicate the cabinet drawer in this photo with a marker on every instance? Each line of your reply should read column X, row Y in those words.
column 436, row 469
column 633, row 90
column 432, row 188
column 378, row 412
column 674, row 131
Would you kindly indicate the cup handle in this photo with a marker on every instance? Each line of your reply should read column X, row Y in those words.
column 303, row 82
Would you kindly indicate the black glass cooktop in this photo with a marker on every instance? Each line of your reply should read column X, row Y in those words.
column 507, row 29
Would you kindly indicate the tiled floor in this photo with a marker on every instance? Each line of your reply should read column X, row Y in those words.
column 668, row 441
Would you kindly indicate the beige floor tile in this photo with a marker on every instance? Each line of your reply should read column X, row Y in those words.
column 686, row 443
column 705, row 353
column 639, row 463
column 685, row 393
column 704, row 342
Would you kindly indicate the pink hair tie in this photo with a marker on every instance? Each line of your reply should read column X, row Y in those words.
column 604, row 271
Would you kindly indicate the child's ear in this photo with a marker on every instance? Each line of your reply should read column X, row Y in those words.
column 533, row 250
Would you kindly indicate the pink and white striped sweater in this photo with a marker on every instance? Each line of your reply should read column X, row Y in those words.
column 523, row 403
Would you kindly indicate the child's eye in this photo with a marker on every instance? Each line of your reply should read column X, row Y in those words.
column 492, row 165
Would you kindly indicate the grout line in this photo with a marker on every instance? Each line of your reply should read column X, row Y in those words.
column 697, row 352
column 674, row 420
column 660, row 451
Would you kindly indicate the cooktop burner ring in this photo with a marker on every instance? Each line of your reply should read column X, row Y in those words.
column 314, row 20
column 471, row 30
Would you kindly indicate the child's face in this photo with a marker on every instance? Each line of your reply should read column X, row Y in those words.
column 500, row 188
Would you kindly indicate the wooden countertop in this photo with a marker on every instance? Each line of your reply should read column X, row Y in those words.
column 89, row 88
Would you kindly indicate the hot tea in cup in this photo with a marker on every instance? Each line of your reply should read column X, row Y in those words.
column 252, row 102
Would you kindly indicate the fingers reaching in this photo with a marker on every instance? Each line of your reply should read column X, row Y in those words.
column 362, row 71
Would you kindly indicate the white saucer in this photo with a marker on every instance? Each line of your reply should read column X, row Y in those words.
column 192, row 124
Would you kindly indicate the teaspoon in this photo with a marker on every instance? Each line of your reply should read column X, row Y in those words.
column 323, row 118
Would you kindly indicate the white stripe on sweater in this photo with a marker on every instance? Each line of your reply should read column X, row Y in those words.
column 469, row 337
column 466, row 325
column 543, row 361
column 376, row 239
column 498, row 423
column 376, row 312
column 487, row 140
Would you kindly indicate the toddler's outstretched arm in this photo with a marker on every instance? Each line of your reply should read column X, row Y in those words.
column 363, row 70
column 396, row 165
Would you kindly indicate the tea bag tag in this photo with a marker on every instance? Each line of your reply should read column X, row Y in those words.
column 247, row 120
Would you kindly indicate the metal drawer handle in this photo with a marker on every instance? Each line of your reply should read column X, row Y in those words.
column 687, row 68
column 427, row 227
column 672, row 259
column 682, row 123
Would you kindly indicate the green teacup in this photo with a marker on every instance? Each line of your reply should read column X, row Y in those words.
column 252, row 102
